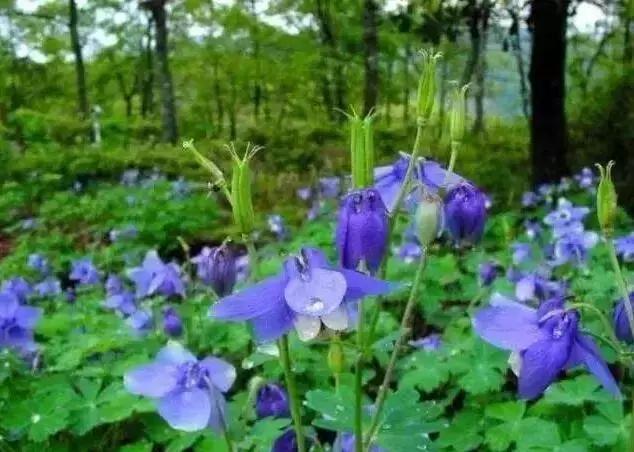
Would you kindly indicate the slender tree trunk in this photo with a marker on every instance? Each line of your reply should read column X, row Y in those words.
column 80, row 71
column 220, row 110
column 628, row 45
column 371, row 55
column 232, row 110
column 481, row 67
column 147, row 100
column 444, row 75
column 387, row 92
column 257, row 87
column 547, row 77
column 519, row 59
column 406, row 80
column 474, row 35
column 168, row 104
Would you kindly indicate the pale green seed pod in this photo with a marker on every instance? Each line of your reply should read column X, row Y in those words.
column 457, row 114
column 361, row 150
column 426, row 96
column 336, row 358
column 428, row 218
column 241, row 198
column 606, row 199
column 368, row 141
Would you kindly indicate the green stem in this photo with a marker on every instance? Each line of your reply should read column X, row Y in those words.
column 253, row 257
column 296, row 415
column 607, row 326
column 452, row 159
column 405, row 330
column 358, row 382
column 620, row 281
column 632, row 425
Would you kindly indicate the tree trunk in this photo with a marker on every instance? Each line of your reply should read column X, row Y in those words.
column 257, row 87
column 371, row 55
column 232, row 109
column 547, row 77
column 333, row 81
column 628, row 45
column 168, row 105
column 444, row 75
column 80, row 71
column 387, row 91
column 147, row 96
column 481, row 67
column 474, row 35
column 406, row 80
column 519, row 58
column 220, row 110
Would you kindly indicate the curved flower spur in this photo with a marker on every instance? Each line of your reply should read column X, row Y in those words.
column 307, row 293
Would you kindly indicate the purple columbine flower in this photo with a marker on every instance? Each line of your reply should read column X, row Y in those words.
column 530, row 199
column 545, row 190
column 38, row 263
column 124, row 303
column 130, row 177
column 566, row 218
column 18, row 287
column 188, row 392
column 521, row 252
column 536, row 287
column 304, row 193
column 585, row 178
column 141, row 321
column 546, row 341
column 217, row 267
column 272, row 401
column 307, row 293
column 128, row 232
column 155, row 277
column 573, row 248
column 329, row 187
column 533, row 228
column 172, row 322
column 286, row 442
column 465, row 214
column 488, row 271
column 390, row 178
column 243, row 270
column 277, row 226
column 409, row 252
column 621, row 321
column 625, row 247
column 113, row 285
column 49, row 287
column 17, row 323
column 430, row 343
column 362, row 230
column 346, row 442
column 84, row 272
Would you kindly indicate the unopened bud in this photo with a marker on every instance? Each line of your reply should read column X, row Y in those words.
column 426, row 97
column 428, row 219
column 606, row 199
column 241, row 199
column 336, row 358
column 361, row 150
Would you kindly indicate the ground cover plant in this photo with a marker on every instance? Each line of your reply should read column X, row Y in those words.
column 405, row 312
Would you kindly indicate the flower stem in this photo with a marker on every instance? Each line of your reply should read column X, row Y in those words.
column 613, row 341
column 285, row 360
column 405, row 330
column 620, row 281
column 253, row 257
column 358, row 381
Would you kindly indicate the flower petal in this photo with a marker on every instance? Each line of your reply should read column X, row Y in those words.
column 151, row 380
column 273, row 324
column 186, row 410
column 337, row 320
column 587, row 352
column 509, row 327
column 541, row 363
column 221, row 373
column 360, row 285
column 174, row 354
column 27, row 316
column 217, row 413
column 251, row 302
column 307, row 327
column 317, row 295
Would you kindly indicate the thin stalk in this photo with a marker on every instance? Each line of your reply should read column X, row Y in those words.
column 452, row 158
column 620, row 281
column 607, row 326
column 358, row 382
column 632, row 425
column 405, row 330
column 296, row 415
column 253, row 257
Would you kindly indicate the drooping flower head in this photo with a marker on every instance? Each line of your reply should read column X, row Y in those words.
column 307, row 293
column 17, row 323
column 537, row 287
column 362, row 230
column 546, row 341
column 621, row 321
column 84, row 272
column 172, row 322
column 156, row 277
column 465, row 214
column 217, row 267
column 573, row 248
column 625, row 247
column 18, row 287
column 272, row 401
column 188, row 392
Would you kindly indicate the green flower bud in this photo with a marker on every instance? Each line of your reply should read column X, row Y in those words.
column 336, row 358
column 428, row 218
column 426, row 97
column 457, row 114
column 606, row 199
column 361, row 150
column 241, row 199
